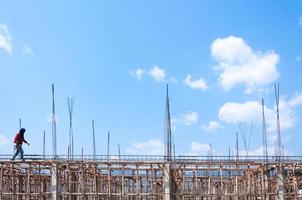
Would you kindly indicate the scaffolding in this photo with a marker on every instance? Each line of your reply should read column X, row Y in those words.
column 152, row 178
column 88, row 177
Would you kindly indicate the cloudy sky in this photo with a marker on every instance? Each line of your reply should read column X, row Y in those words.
column 115, row 58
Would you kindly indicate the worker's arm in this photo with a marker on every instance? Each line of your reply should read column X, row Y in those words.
column 25, row 141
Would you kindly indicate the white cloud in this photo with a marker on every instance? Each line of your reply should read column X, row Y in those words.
column 188, row 119
column 297, row 100
column 199, row 84
column 138, row 73
column 252, row 111
column 212, row 126
column 237, row 63
column 3, row 140
column 5, row 39
column 298, row 58
column 198, row 149
column 150, row 147
column 27, row 50
column 158, row 74
column 234, row 112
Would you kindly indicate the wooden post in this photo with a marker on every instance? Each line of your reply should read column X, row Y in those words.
column 196, row 179
column 221, row 182
column 82, row 183
column 41, row 196
column 109, row 181
column 236, row 188
column 13, row 182
column 249, row 180
column 123, row 181
column 295, row 182
column 1, row 181
column 28, row 183
column 137, row 181
column 152, row 181
column 69, row 182
column 262, row 184
column 95, row 182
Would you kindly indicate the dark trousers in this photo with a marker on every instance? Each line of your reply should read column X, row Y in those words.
column 18, row 150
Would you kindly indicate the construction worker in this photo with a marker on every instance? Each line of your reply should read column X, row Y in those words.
column 19, row 139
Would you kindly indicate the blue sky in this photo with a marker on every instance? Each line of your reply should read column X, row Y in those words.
column 115, row 58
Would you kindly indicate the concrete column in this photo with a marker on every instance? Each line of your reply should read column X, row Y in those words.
column 54, row 182
column 209, row 187
column 266, row 190
column 167, row 181
column 280, row 184
column 236, row 189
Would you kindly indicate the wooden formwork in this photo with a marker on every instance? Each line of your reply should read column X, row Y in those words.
column 69, row 179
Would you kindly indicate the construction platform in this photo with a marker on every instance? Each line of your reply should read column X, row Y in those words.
column 152, row 177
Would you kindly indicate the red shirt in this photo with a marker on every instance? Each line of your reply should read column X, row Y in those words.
column 18, row 139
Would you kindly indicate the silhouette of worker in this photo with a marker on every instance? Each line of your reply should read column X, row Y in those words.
column 19, row 139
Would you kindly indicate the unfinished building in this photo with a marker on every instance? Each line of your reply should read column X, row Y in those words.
column 152, row 178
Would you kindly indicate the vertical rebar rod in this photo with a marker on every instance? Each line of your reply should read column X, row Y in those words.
column 168, row 139
column 70, row 102
column 93, row 141
column 119, row 151
column 246, row 141
column 237, row 146
column 173, row 145
column 174, row 151
column 279, row 144
column 44, row 145
column 54, row 124
column 264, row 134
column 211, row 152
column 275, row 148
column 68, row 152
column 108, row 144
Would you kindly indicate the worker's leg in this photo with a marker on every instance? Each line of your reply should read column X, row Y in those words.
column 21, row 153
column 17, row 152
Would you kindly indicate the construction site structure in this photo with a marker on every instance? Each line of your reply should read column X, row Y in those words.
column 87, row 177
column 152, row 177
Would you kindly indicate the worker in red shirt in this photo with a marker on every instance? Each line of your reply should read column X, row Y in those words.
column 19, row 139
